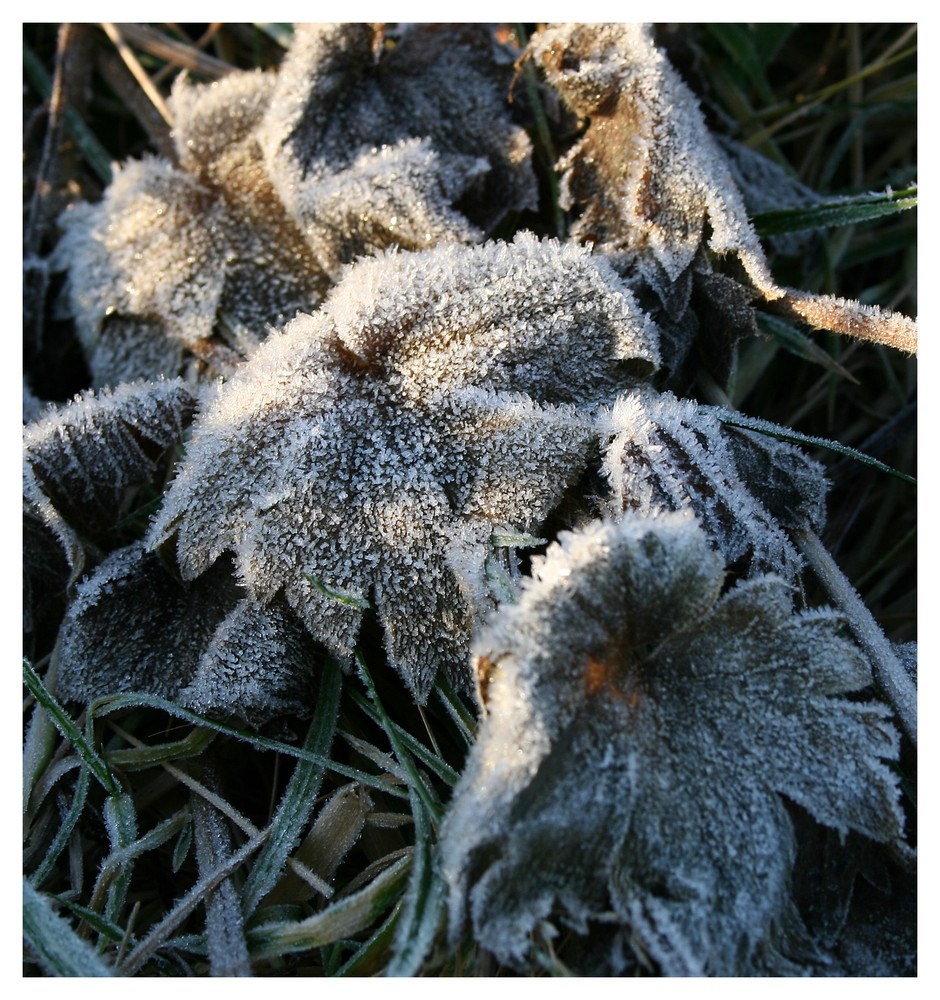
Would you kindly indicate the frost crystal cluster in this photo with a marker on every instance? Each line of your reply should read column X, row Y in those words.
column 436, row 399
column 641, row 730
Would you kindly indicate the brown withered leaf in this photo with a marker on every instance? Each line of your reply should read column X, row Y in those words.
column 655, row 186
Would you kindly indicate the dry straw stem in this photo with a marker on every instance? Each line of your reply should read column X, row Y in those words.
column 826, row 312
column 156, row 98
column 174, row 52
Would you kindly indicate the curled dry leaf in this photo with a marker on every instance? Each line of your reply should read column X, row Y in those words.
column 662, row 453
column 134, row 627
column 641, row 731
column 406, row 145
column 171, row 251
column 654, row 183
column 435, row 399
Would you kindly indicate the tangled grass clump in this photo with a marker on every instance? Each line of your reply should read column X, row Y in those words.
column 452, row 542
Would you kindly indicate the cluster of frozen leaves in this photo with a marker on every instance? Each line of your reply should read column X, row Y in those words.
column 434, row 406
column 641, row 729
column 279, row 180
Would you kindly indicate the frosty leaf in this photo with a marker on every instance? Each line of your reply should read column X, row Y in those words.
column 647, row 169
column 80, row 461
column 640, row 732
column 664, row 453
column 170, row 251
column 405, row 145
column 134, row 627
column 130, row 348
column 45, row 575
column 428, row 404
column 654, row 182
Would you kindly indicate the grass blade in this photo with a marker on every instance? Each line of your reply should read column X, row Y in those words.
column 63, row 722
column 119, row 702
column 341, row 920
column 145, row 949
column 427, row 757
column 404, row 758
column 120, row 819
column 65, row 829
column 797, row 343
column 839, row 212
column 137, row 758
column 225, row 927
column 738, row 41
column 60, row 951
column 424, row 902
column 370, row 956
column 295, row 806
column 795, row 437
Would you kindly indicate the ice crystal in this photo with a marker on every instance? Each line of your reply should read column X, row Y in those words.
column 436, row 398
column 663, row 453
column 370, row 147
column 134, row 627
column 172, row 251
column 654, row 182
column 80, row 461
column 641, row 731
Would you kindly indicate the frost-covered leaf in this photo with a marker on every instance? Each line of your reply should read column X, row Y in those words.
column 641, row 731
column 371, row 146
column 81, row 460
column 45, row 576
column 655, row 185
column 133, row 626
column 430, row 402
column 663, row 453
column 647, row 169
column 171, row 251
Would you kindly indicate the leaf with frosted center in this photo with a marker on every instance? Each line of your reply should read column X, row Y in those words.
column 435, row 398
column 641, row 730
